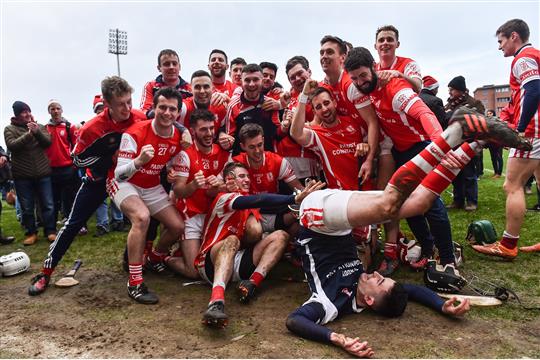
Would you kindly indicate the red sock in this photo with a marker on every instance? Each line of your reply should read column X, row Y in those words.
column 410, row 174
column 509, row 241
column 47, row 271
column 156, row 256
column 256, row 278
column 218, row 294
column 135, row 274
column 390, row 251
column 441, row 177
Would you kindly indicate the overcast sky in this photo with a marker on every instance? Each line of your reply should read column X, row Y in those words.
column 58, row 49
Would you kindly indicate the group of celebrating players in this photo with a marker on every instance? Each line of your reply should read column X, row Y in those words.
column 229, row 169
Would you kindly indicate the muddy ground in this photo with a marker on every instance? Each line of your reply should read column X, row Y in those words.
column 96, row 319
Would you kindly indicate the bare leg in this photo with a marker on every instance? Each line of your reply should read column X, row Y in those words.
column 133, row 207
column 173, row 226
column 268, row 251
column 184, row 264
column 222, row 255
column 253, row 233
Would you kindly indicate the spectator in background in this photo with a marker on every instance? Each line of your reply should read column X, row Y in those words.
column 64, row 174
column 27, row 141
column 5, row 175
column 466, row 183
column 428, row 94
column 495, row 150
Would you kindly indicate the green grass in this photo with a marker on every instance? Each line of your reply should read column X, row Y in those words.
column 522, row 275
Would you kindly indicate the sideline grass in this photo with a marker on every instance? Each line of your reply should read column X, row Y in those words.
column 522, row 275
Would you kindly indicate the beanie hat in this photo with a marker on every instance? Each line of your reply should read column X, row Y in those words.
column 98, row 101
column 430, row 83
column 53, row 101
column 19, row 107
column 458, row 83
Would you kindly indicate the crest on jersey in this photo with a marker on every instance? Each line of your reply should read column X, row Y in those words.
column 216, row 164
column 350, row 128
column 270, row 176
column 173, row 149
column 62, row 132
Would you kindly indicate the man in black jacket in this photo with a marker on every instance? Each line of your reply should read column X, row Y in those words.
column 428, row 94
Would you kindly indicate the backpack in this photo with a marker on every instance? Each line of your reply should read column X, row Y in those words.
column 481, row 232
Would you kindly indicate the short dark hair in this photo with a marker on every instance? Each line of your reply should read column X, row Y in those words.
column 200, row 114
column 393, row 304
column 217, row 51
column 166, row 52
column 200, row 73
column 238, row 60
column 295, row 60
column 113, row 86
column 515, row 25
column 249, row 131
column 269, row 65
column 230, row 167
column 321, row 90
column 341, row 44
column 387, row 28
column 357, row 57
column 168, row 93
column 251, row 68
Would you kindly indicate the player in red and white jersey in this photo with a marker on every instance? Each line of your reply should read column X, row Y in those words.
column 218, row 66
column 411, row 125
column 249, row 108
column 513, row 39
column 197, row 183
column 390, row 65
column 169, row 67
column 350, row 102
column 232, row 249
column 265, row 170
column 304, row 161
column 337, row 141
column 201, row 84
column 144, row 151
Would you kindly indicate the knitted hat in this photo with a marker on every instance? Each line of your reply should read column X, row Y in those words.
column 53, row 101
column 458, row 83
column 19, row 107
column 98, row 101
column 430, row 83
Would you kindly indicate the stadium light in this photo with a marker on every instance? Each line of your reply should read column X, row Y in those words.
column 118, row 44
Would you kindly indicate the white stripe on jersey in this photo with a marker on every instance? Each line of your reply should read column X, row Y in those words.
column 320, row 149
column 405, row 121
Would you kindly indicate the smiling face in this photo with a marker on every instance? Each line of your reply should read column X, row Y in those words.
column 254, row 148
column 364, row 78
column 324, row 107
column 330, row 58
column 386, row 44
column 252, row 84
column 203, row 132
column 269, row 78
column 236, row 74
column 202, row 90
column 166, row 111
column 241, row 178
column 297, row 77
column 508, row 45
column 217, row 65
column 120, row 107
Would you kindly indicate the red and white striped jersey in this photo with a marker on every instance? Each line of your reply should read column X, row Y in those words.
column 165, row 148
column 392, row 103
column 406, row 66
column 266, row 178
column 190, row 105
column 524, row 69
column 222, row 221
column 190, row 162
column 336, row 147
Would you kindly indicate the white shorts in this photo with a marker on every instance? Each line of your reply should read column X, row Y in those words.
column 194, row 227
column 268, row 222
column 236, row 274
column 534, row 154
column 386, row 145
column 325, row 211
column 155, row 198
column 304, row 167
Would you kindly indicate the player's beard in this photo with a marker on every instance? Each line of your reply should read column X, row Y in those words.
column 369, row 86
column 219, row 73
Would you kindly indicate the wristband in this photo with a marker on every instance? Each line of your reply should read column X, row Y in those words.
column 302, row 98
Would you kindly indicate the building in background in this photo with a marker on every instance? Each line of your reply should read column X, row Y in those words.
column 494, row 97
